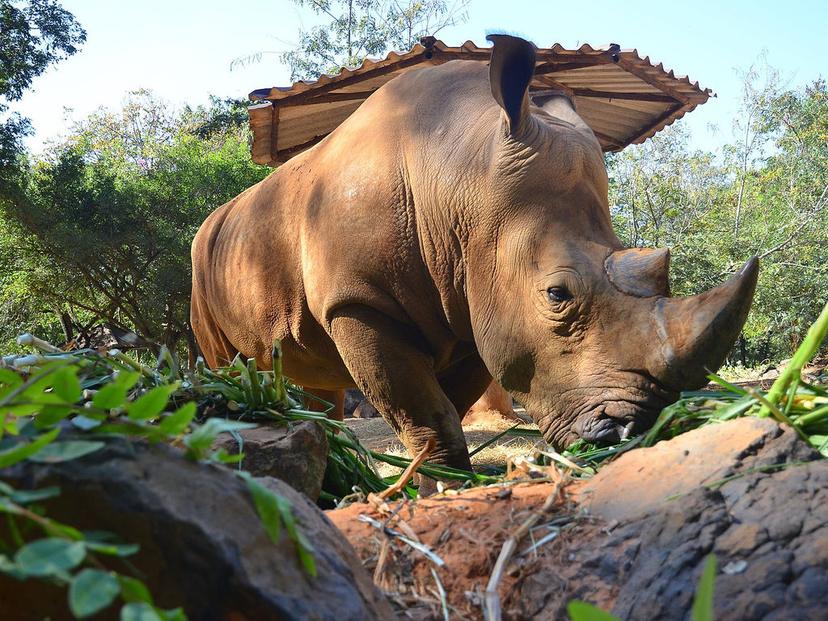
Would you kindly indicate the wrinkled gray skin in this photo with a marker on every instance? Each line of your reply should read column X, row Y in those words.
column 447, row 232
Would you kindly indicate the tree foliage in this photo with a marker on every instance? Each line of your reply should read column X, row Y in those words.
column 36, row 34
column 102, row 229
column 766, row 196
column 352, row 30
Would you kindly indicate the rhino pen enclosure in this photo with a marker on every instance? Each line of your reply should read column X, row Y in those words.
column 623, row 97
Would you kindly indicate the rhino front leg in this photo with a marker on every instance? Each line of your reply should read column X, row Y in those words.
column 389, row 365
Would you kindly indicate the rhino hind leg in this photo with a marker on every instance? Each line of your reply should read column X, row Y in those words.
column 212, row 342
column 398, row 377
column 335, row 397
column 465, row 383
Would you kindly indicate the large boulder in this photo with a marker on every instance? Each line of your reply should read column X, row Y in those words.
column 203, row 546
column 635, row 538
column 644, row 480
column 748, row 491
column 296, row 453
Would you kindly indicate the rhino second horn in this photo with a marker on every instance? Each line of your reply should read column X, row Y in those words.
column 696, row 333
column 642, row 272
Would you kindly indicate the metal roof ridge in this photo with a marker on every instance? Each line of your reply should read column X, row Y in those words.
column 301, row 86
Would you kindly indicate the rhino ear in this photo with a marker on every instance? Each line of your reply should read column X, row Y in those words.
column 510, row 71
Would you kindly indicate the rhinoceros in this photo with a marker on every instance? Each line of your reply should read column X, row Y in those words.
column 450, row 231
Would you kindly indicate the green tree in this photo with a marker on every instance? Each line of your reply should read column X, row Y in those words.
column 35, row 34
column 353, row 30
column 108, row 215
column 767, row 196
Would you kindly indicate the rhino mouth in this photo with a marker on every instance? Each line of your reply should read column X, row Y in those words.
column 604, row 430
column 614, row 421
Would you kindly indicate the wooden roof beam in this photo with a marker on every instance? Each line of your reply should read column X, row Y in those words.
column 555, row 66
column 609, row 140
column 327, row 98
column 665, row 119
column 333, row 85
column 655, row 97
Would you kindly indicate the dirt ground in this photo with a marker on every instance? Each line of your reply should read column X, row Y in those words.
column 466, row 532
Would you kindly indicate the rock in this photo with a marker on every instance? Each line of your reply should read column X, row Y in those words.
column 643, row 480
column 202, row 544
column 366, row 410
column 759, row 519
column 297, row 453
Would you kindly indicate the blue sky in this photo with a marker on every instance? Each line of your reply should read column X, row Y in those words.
column 182, row 49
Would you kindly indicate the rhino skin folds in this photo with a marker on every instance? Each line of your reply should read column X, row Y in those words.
column 451, row 231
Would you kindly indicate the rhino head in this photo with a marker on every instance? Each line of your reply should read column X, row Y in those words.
column 580, row 329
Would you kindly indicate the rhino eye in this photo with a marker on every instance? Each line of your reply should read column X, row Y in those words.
column 558, row 294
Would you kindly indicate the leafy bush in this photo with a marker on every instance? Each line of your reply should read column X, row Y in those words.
column 105, row 395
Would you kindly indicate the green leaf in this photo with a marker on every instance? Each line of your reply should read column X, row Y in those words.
column 178, row 421
column 202, row 437
column 9, row 426
column 10, row 379
column 226, row 458
column 49, row 557
column 22, row 451
column 581, row 611
column 114, row 394
column 112, row 549
column 152, row 403
column 56, row 529
column 274, row 510
column 133, row 590
column 65, row 450
column 92, row 590
column 127, row 379
column 23, row 496
column 139, row 611
column 110, row 396
column 174, row 614
column 267, row 506
column 65, row 384
column 52, row 414
column 703, row 601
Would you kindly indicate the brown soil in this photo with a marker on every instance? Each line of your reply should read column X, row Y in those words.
column 467, row 531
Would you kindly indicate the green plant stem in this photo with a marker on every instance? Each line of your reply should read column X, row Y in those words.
column 255, row 387
column 778, row 414
column 812, row 417
column 813, row 339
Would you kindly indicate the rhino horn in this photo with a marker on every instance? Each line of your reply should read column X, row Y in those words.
column 642, row 272
column 695, row 333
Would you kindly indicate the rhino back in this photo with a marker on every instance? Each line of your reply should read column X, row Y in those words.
column 357, row 220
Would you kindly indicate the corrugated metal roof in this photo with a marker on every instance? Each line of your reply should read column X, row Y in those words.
column 623, row 97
